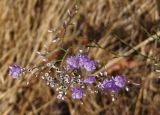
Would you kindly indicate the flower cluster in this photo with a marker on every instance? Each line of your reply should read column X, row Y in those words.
column 78, row 93
column 81, row 61
column 15, row 71
column 90, row 79
column 75, row 77
column 114, row 84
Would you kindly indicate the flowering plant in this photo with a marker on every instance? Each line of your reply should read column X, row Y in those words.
column 74, row 74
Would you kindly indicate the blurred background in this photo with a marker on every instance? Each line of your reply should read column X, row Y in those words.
column 24, row 28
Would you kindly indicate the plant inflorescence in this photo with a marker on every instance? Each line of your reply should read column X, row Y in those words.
column 74, row 73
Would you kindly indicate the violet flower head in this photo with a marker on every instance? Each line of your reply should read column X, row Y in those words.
column 15, row 71
column 90, row 65
column 110, row 85
column 120, row 81
column 89, row 79
column 82, row 60
column 78, row 93
column 73, row 61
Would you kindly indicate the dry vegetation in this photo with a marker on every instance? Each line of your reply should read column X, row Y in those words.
column 23, row 30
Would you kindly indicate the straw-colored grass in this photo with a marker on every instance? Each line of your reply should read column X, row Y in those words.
column 23, row 31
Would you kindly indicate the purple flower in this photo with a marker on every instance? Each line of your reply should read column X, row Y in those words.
column 120, row 81
column 15, row 71
column 73, row 61
column 82, row 60
column 90, row 65
column 89, row 79
column 110, row 85
column 78, row 93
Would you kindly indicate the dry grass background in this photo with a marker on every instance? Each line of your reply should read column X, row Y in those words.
column 23, row 30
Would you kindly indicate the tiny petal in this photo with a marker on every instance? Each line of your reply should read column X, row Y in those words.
column 120, row 81
column 78, row 93
column 15, row 71
column 89, row 79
